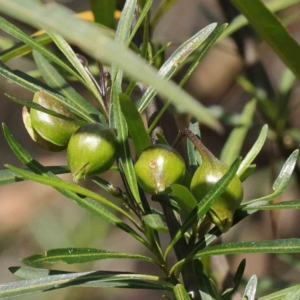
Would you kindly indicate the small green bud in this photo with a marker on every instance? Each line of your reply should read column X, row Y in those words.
column 206, row 176
column 53, row 129
column 92, row 149
column 158, row 167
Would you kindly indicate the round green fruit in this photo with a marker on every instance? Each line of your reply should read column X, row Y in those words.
column 158, row 167
column 92, row 149
column 53, row 129
column 206, row 176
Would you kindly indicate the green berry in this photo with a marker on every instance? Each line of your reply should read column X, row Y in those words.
column 206, row 176
column 158, row 167
column 53, row 129
column 92, row 149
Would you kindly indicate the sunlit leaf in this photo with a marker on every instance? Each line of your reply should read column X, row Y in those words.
column 58, row 83
column 34, row 85
column 250, row 290
column 253, row 151
column 280, row 183
column 135, row 125
column 269, row 27
column 235, row 141
column 83, row 279
column 155, row 222
column 171, row 65
column 180, row 293
column 78, row 255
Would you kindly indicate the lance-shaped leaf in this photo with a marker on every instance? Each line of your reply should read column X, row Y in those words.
column 178, row 57
column 72, row 57
column 204, row 205
column 58, row 83
column 22, row 36
column 8, row 176
column 34, row 85
column 84, row 279
column 203, row 281
column 281, row 294
column 235, row 141
column 180, row 292
column 280, row 183
column 271, row 246
column 250, row 289
column 135, row 125
column 237, row 281
column 50, row 112
column 78, row 255
column 269, row 27
column 155, row 222
column 253, row 151
column 294, row 204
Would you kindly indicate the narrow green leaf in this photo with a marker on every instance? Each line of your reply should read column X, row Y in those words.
column 32, row 273
column 78, row 255
column 180, row 292
column 22, row 36
column 34, row 85
column 8, row 176
column 104, row 12
column 155, row 222
column 193, row 154
column 135, row 125
column 272, row 31
column 184, row 198
column 58, row 83
column 250, row 290
column 249, row 170
column 58, row 183
column 204, row 284
column 83, row 279
column 71, row 56
column 241, row 21
column 281, row 294
column 236, row 139
column 271, row 246
column 294, row 204
column 85, row 202
column 280, row 183
column 95, row 42
column 122, row 37
column 125, row 156
column 253, row 151
column 142, row 16
column 178, row 57
column 36, row 106
column 294, row 295
column 237, row 281
column 209, row 42
column 205, row 204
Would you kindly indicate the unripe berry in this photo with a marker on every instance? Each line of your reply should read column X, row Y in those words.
column 158, row 167
column 92, row 149
column 53, row 129
column 206, row 176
